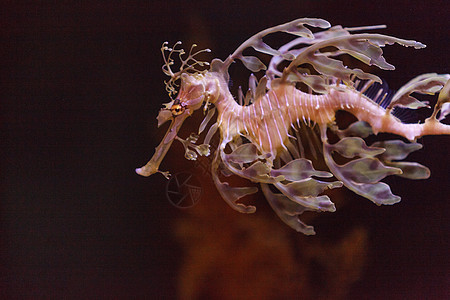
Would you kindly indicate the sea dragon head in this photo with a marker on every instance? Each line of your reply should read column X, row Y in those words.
column 193, row 92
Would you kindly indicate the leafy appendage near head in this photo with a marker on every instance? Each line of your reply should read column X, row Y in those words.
column 187, row 64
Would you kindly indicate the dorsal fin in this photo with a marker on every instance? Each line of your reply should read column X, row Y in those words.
column 382, row 94
column 379, row 93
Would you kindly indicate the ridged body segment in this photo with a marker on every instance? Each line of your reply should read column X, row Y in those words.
column 266, row 122
column 272, row 115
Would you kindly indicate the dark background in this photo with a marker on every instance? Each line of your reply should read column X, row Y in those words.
column 81, row 86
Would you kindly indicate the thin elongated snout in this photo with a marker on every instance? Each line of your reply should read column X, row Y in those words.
column 152, row 166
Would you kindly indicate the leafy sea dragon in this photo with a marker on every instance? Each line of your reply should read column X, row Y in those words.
column 305, row 84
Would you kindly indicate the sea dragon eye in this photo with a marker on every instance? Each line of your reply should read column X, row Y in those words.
column 177, row 109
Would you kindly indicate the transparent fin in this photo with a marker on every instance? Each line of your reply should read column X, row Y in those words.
column 232, row 194
column 398, row 150
column 361, row 175
column 299, row 169
column 287, row 210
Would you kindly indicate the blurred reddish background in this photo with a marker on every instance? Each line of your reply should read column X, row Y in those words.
column 81, row 86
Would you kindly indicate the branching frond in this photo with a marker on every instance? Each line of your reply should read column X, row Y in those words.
column 313, row 49
column 188, row 64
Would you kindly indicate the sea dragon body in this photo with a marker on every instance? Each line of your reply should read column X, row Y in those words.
column 260, row 129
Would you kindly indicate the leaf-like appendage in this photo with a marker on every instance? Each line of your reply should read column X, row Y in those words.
column 261, row 88
column 318, row 203
column 163, row 116
column 264, row 48
column 188, row 153
column 256, row 41
column 203, row 149
column 258, row 172
column 425, row 84
column 310, row 187
column 302, row 189
column 304, row 40
column 192, row 138
column 252, row 63
column 334, row 68
column 296, row 27
column 212, row 130
column 367, row 170
column 245, row 153
column 361, row 175
column 411, row 170
column 396, row 149
column 443, row 101
column 445, row 111
column 379, row 192
column 287, row 210
column 365, row 52
column 408, row 102
column 317, row 83
column 189, row 144
column 299, row 169
column 350, row 147
column 206, row 120
column 364, row 47
column 360, row 128
column 301, row 30
column 233, row 194
column 252, row 84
